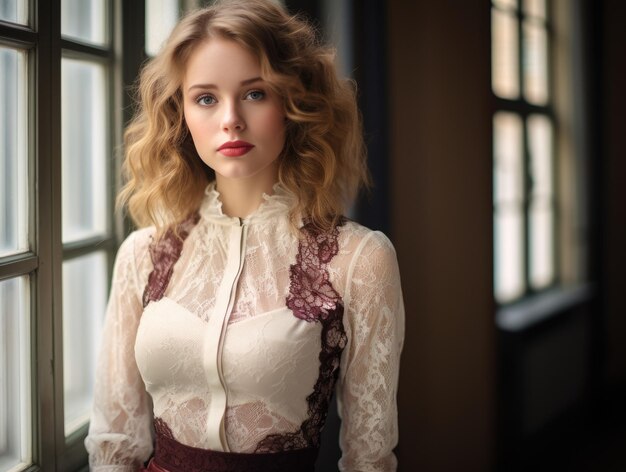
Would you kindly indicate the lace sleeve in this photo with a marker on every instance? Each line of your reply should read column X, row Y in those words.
column 120, row 437
column 366, row 392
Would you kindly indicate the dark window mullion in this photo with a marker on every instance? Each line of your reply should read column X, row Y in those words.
column 522, row 107
column 46, row 148
column 11, row 33
column 114, row 120
column 82, row 49
column 88, row 246
column 57, row 211
column 18, row 264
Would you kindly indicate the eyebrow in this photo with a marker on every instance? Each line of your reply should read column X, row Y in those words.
column 213, row 86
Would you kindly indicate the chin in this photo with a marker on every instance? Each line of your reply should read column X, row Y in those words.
column 239, row 169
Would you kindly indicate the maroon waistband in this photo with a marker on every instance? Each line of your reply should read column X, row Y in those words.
column 172, row 456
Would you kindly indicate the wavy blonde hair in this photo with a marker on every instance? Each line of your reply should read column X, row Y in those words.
column 323, row 161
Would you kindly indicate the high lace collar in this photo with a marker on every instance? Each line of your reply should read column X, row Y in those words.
column 278, row 203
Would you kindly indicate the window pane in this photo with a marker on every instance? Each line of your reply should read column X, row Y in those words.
column 14, row 11
column 504, row 54
column 85, row 20
column 161, row 16
column 509, row 254
column 540, row 149
column 541, row 244
column 508, row 168
column 508, row 202
column 84, row 301
column 541, row 221
column 15, row 418
column 84, row 140
column 536, row 8
column 535, row 63
column 13, row 154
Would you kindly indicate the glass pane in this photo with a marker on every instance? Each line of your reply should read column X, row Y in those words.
column 508, row 180
column 85, row 20
column 508, row 184
column 541, row 243
column 84, row 301
column 13, row 153
column 540, row 148
column 508, row 254
column 14, row 11
column 161, row 16
column 84, row 145
column 15, row 417
column 535, row 63
column 536, row 8
column 506, row 4
column 541, row 209
column 504, row 54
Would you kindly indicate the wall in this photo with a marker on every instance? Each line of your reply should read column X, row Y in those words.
column 613, row 190
column 440, row 158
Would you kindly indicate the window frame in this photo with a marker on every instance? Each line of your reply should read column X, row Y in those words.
column 41, row 39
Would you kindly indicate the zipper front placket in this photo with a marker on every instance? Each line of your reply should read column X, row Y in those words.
column 216, row 332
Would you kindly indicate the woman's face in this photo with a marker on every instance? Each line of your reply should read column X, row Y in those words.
column 236, row 122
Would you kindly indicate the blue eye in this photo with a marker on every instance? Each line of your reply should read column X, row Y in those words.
column 255, row 95
column 205, row 100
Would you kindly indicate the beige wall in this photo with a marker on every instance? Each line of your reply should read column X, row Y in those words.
column 440, row 135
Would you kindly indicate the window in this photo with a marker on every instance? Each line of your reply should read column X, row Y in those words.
column 87, row 236
column 86, row 65
column 17, row 260
column 161, row 16
column 524, row 197
column 57, row 133
column 15, row 373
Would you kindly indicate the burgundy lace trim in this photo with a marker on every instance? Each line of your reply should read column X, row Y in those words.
column 176, row 457
column 164, row 253
column 161, row 429
column 311, row 295
column 312, row 298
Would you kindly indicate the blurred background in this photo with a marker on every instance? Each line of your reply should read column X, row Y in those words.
column 496, row 137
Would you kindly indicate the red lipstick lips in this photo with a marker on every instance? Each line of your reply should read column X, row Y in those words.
column 235, row 148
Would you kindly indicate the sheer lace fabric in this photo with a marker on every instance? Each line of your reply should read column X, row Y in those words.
column 277, row 326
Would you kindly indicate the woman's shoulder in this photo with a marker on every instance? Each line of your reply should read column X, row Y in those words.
column 371, row 267
column 357, row 237
column 137, row 244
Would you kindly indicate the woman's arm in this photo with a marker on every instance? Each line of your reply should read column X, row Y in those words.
column 120, row 437
column 366, row 392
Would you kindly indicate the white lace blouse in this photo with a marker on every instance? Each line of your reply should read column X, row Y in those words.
column 241, row 349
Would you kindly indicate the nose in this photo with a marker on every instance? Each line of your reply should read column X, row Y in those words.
column 232, row 119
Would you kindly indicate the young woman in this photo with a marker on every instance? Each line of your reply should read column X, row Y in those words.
column 246, row 299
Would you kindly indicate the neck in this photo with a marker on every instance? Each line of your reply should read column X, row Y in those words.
column 241, row 197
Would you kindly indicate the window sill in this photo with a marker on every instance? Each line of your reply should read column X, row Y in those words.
column 536, row 309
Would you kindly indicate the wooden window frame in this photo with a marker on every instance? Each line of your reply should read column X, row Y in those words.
column 43, row 262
